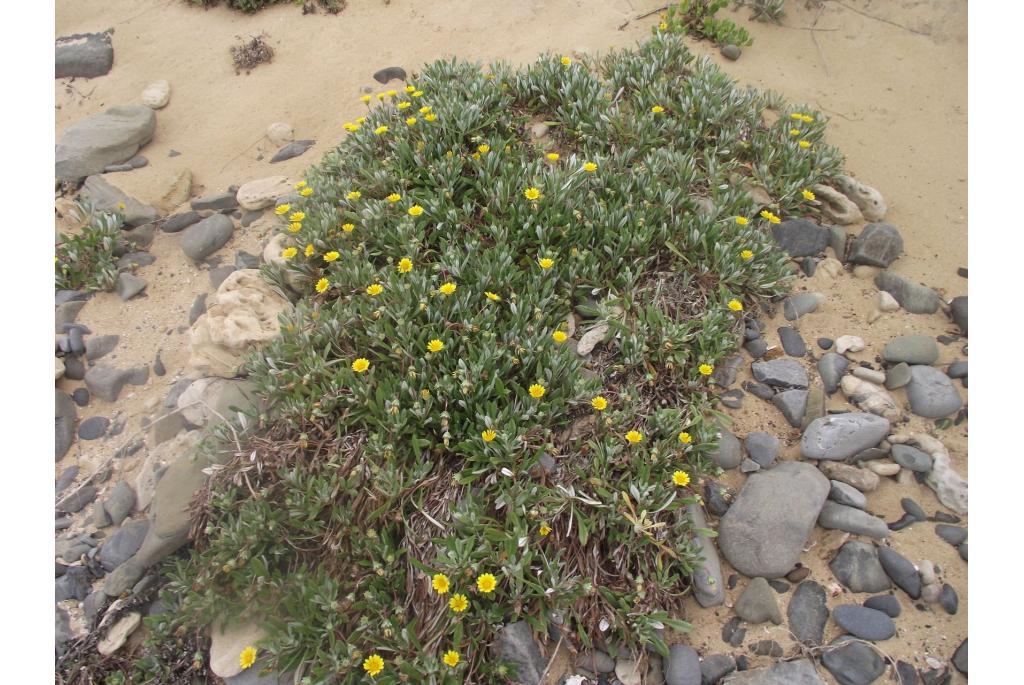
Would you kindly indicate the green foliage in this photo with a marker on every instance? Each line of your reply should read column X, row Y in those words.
column 765, row 10
column 697, row 18
column 85, row 259
column 252, row 6
column 351, row 489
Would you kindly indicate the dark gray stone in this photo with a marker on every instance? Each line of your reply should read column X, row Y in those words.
column 792, row 404
column 244, row 260
column 759, row 390
column 911, row 458
column 799, row 672
column 901, row 571
column 831, row 367
column 837, row 240
column 826, row 343
column 733, row 399
column 732, row 633
column 879, row 244
column 954, row 535
column 66, row 478
column 197, row 309
column 717, row 497
column 682, row 667
column 218, row 274
column 201, row 240
column 74, row 584
column 792, row 343
column 912, row 349
column 65, row 417
column 801, row 304
column 758, row 604
column 293, row 149
column 857, row 567
column 93, row 428
column 706, row 579
column 138, row 376
column 596, row 661
column 731, row 52
column 948, row 599
column 63, row 296
column 248, row 217
column 842, row 436
column 63, row 633
column 958, row 310
column 913, row 297
column 960, row 657
column 913, row 508
column 725, row 372
column 800, row 237
column 136, row 239
column 123, row 544
column 77, row 500
column 135, row 260
column 389, row 73
column 716, row 667
column 835, row 516
column 119, row 503
column 517, row 646
column 171, row 401
column 898, row 376
column 123, row 578
column 957, row 370
column 887, row 604
column 756, row 348
column 179, row 222
column 763, row 448
column 65, row 313
column 729, row 453
column 862, row 622
column 847, row 495
column 158, row 365
column 931, row 393
column 128, row 286
column 106, row 381
column 809, row 265
column 852, row 663
column 100, row 345
column 85, row 55
column 215, row 202
column 781, row 373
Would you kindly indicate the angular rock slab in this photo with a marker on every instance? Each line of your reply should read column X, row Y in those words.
column 857, row 567
column 781, row 373
column 105, row 197
column 800, row 237
column 877, row 245
column 914, row 297
column 808, row 613
column 842, row 436
column 783, row 673
column 85, row 55
column 707, row 580
column 111, row 137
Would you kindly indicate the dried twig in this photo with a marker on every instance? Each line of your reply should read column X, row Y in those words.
column 643, row 16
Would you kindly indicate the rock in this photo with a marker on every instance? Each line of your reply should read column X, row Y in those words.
column 733, row 399
column 81, row 396
column 157, row 94
column 960, row 657
column 516, row 645
column 800, row 672
column 110, row 137
column 808, row 613
column 862, row 479
column 717, row 497
column 227, row 640
column 857, row 567
column 388, row 74
column 849, row 343
column 792, row 404
column 58, row 368
column 757, row 604
column 208, row 401
column 841, row 436
column 839, row 517
column 260, row 673
column 930, row 593
column 197, row 309
column 926, row 569
column 958, row 310
column 948, row 599
column 931, row 393
column 887, row 303
column 63, row 634
column 836, row 207
column 85, row 55
column 870, row 398
column 74, row 584
column 901, row 571
column 174, row 190
column 726, row 371
column 914, row 297
column 800, row 237
column 156, row 462
column 65, row 417
column 119, row 503
column 869, row 375
column 954, row 535
column 201, row 240
column 627, row 672
column 759, row 390
column 732, row 633
column 105, row 197
column 180, row 222
column 868, row 200
column 756, row 348
column 158, row 365
column 135, row 239
column 911, row 458
column 123, row 544
column 220, row 273
column 216, row 202
column 682, row 666
column 242, row 314
column 801, row 304
column 962, row 551
column 731, row 52
column 762, row 447
column 93, row 428
column 134, row 260
column 877, row 245
column 168, row 511
column 128, row 286
column 263, row 192
column 831, row 367
column 847, row 495
column 716, row 667
column 887, row 604
column 77, row 500
column 767, row 526
column 749, row 466
column 708, row 586
column 898, row 376
column 947, row 483
column 65, row 313
column 912, row 349
column 792, row 343
column 280, row 133
column 853, row 663
column 596, row 661
column 957, row 370
column 67, row 477
column 867, row 624
column 292, row 150
column 781, row 373
column 728, row 454
column 138, row 375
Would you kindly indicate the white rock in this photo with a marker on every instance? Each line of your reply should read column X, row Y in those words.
column 866, row 272
column 208, row 401
column 227, row 643
column 590, row 339
column 156, row 95
column 869, row 375
column 886, row 302
column 837, row 207
column 628, row 672
column 948, row 485
column 884, row 468
column 930, row 593
column 263, row 192
column 849, row 343
column 59, row 368
column 119, row 633
column 870, row 398
column 869, row 200
column 280, row 133
column 927, row 570
column 539, row 130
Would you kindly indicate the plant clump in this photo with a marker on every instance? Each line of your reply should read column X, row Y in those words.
column 251, row 52
column 85, row 258
column 252, row 6
column 697, row 18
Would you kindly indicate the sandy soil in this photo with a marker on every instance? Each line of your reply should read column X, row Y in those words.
column 895, row 87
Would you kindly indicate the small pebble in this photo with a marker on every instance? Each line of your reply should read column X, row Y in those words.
column 93, row 428
column 826, row 343
column 798, row 574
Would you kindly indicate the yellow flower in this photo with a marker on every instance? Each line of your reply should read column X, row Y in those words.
column 486, row 583
column 322, row 285
column 373, row 665
column 747, row 255
column 805, row 144
column 735, row 305
column 331, row 256
column 489, row 435
column 247, row 658
column 405, row 265
column 300, row 184
column 435, row 345
column 350, row 127
column 458, row 603
column 742, row 220
column 365, row 98
column 121, row 206
column 589, row 167
column 289, row 252
column 662, row 26
column 440, row 583
column 380, row 96
column 410, row 88
column 685, row 438
column 559, row 336
column 537, row 391
column 566, row 60
column 296, row 216
column 430, row 117
column 447, row 288
column 599, row 403
column 494, row 297
column 348, row 228
column 483, row 149
column 545, row 530
column 295, row 227
column 374, row 289
column 306, row 192
column 546, row 263
column 354, row 195
column 451, row 658
column 309, row 250
column 360, row 365
column 806, row 119
column 415, row 210
column 394, row 197
column 380, row 130
column 797, row 116
column 808, row 195
column 411, row 121
column 425, row 108
column 794, row 131
column 392, row 92
column 360, row 121
column 681, row 478
column 404, row 105
column 552, row 156
column 706, row 369
column 417, row 93
column 634, row 436
column 532, row 193
column 771, row 217
column 657, row 109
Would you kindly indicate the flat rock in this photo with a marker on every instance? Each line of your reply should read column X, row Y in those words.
column 898, row 376
column 958, row 310
column 293, row 149
column 849, row 343
column 862, row 622
column 857, row 567
column 93, row 428
column 792, row 343
column 842, row 436
column 800, row 672
column 792, row 404
column 105, row 197
column 74, row 584
column 105, row 381
column 901, row 571
column 914, row 297
column 119, row 503
column 862, row 479
column 682, row 667
column 111, row 137
column 887, row 604
column 911, row 458
column 202, row 239
column 85, row 55
column 781, row 373
column 128, row 286
column 839, row 517
column 77, row 500
column 119, row 633
column 960, row 657
column 762, row 447
column 795, row 306
column 179, row 222
column 208, row 401
column 847, row 495
column 878, row 244
column 123, row 544
column 215, row 202
column 853, row 663
column 758, row 604
column 263, row 192
column 931, row 393
column 808, row 613
column 800, row 237
column 227, row 641
column 715, row 667
column 389, row 73
column 707, row 581
column 517, row 645
column 759, row 390
column 65, row 417
column 831, row 368
column 168, row 511
column 725, row 372
column 912, row 349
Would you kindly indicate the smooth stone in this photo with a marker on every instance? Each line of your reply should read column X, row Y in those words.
column 808, row 613
column 878, row 244
column 65, row 313
column 280, row 133
column 831, row 368
column 867, row 624
column 801, row 304
column 792, row 404
column 201, row 240
column 759, row 390
column 931, row 393
column 960, row 657
column 123, row 578
column 128, row 286
column 389, row 73
column 948, row 599
column 898, row 376
column 111, row 137
column 913, row 297
column 65, row 417
column 728, row 454
column 123, row 544
column 762, row 447
column 756, row 348
column 749, row 466
column 825, row 343
column 179, row 222
column 706, row 579
column 901, row 571
column 842, row 436
column 800, row 237
column 74, row 584
column 135, row 239
column 852, row 663
column 857, row 567
column 838, row 517
column 887, row 604
column 733, row 399
column 731, row 52
column 93, row 428
column 717, row 497
column 809, row 265
column 106, row 197
column 725, row 373
column 862, row 479
column 293, row 149
column 870, row 202
column 904, row 521
column 77, row 500
column 958, row 310
column 66, row 478
column 884, row 468
column 954, row 535
column 930, row 593
column 135, row 260
column 197, row 309
column 262, row 193
column 911, row 458
column 732, row 633
column 158, row 365
column 799, row 672
column 957, row 370
column 715, row 667
column 912, row 349
column 517, row 646
column 119, row 503
column 836, row 207
column 596, row 661
column 219, row 274
column 962, row 551
column 926, row 569
column 215, row 202
column 869, row 375
column 227, row 640
column 682, row 667
column 847, row 495
column 792, row 343
column 758, row 604
column 913, row 508
column 781, row 373
column 85, row 55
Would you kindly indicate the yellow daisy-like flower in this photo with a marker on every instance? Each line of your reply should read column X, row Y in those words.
column 440, row 583
column 392, row 92
column 380, row 130
column 404, row 105
column 806, row 119
column 566, row 60
column 559, row 336
column 361, row 120
column 681, row 478
column 489, row 435
column 634, row 437
column 404, row 265
column 309, row 250
column 289, row 252
column 322, row 285
column 458, row 603
column 657, row 109
column 425, row 108
column 297, row 216
column 374, row 289
column 794, row 131
column 544, row 530
column 685, row 438
column 742, row 220
column 706, row 369
column 771, row 217
column 797, row 116
column 394, row 197
column 805, row 144
column 295, row 227
column 531, row 193
column 380, row 96
column 350, row 127
column 353, row 195
column 747, row 255
column 415, row 210
column 430, row 117
column 331, row 256
column 247, row 658
column 537, row 391
column 493, row 297
column 590, row 167
column 360, row 365
column 417, row 93
column 281, row 210
column 306, row 192
column 552, row 156
column 808, row 195
column 365, row 98
column 373, row 665
column 735, row 305
column 435, row 345
column 450, row 658
column 410, row 88
column 348, row 228
column 447, row 288
column 411, row 121
column 121, row 206
column 599, row 403
column 483, row 149
column 663, row 26
column 486, row 583
column 300, row 184
column 546, row 262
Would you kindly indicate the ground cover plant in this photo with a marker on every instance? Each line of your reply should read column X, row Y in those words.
column 251, row 6
column 697, row 18
column 85, row 258
column 433, row 459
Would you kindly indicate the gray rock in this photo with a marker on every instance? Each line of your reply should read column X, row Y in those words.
column 244, row 260
column 808, row 613
column 65, row 417
column 911, row 458
column 76, row 343
column 853, row 663
column 596, row 661
column 792, row 343
column 857, row 567
column 123, row 578
column 847, row 495
column 763, row 448
column 898, row 376
column 717, row 497
column 831, row 367
column 66, row 478
column 795, row 306
column 781, row 373
column 135, row 260
column 197, row 309
column 749, row 466
column 800, row 237
column 105, row 197
column 867, row 624
column 954, row 535
column 62, row 296
column 93, row 428
column 119, row 503
column 901, row 571
column 248, row 218
column 707, row 582
column 169, row 509
column 837, row 240
column 729, row 453
column 767, row 526
column 838, row 517
column 100, row 346
column 128, row 286
column 957, row 370
column 216, row 202
column 77, row 500
column 201, row 240
column 106, row 381
column 716, row 667
column 887, row 604
column 158, row 365
column 123, row 544
column 731, row 52
column 725, row 372
column 960, row 657
column 179, row 222
column 74, row 584
column 63, row 634
column 931, row 393
column 841, row 436
column 758, row 604
column 218, row 274
column 682, row 666
column 958, row 310
column 733, row 633
column 517, row 646
column 135, row 239
column 65, row 313
column 913, row 508
column 86, row 55
column 756, row 348
column 825, row 343
column 878, row 244
column 800, row 672
column 912, row 349
column 869, row 375
column 81, row 395
column 138, row 376
column 792, row 404
column 759, row 390
column 293, row 149
column 733, row 399
column 914, row 297
column 389, row 73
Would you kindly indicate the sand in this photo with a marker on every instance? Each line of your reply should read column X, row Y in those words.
column 895, row 87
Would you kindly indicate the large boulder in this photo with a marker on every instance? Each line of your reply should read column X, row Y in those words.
column 841, row 436
column 111, row 137
column 85, row 55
